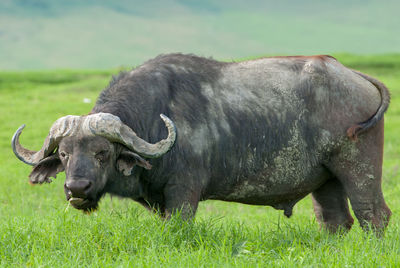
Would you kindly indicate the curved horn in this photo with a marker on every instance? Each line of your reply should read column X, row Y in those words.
column 20, row 152
column 62, row 127
column 112, row 128
column 102, row 124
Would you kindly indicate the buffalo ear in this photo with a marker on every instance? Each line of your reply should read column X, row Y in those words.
column 46, row 168
column 128, row 159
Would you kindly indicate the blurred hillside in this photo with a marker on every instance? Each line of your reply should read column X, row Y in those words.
column 44, row 34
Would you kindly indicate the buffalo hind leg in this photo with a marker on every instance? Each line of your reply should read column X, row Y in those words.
column 358, row 166
column 331, row 207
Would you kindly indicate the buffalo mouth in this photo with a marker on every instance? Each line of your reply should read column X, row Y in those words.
column 86, row 205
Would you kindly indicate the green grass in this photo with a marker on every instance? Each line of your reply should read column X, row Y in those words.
column 38, row 228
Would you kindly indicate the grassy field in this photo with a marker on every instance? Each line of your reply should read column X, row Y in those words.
column 38, row 228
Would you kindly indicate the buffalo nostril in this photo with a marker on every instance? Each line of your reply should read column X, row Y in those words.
column 78, row 188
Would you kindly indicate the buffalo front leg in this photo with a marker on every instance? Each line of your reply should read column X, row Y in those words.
column 358, row 166
column 331, row 207
column 182, row 199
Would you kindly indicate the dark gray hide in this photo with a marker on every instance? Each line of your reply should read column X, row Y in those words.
column 266, row 132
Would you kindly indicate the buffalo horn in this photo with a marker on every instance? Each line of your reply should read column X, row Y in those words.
column 112, row 128
column 101, row 124
column 64, row 126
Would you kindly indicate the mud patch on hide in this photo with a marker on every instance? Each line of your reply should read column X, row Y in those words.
column 350, row 160
column 292, row 162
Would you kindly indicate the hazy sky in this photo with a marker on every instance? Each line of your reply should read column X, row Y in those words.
column 44, row 34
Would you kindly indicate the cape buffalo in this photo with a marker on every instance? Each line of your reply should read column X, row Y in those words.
column 266, row 132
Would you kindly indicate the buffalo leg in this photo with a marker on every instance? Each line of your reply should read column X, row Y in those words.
column 181, row 199
column 358, row 166
column 331, row 207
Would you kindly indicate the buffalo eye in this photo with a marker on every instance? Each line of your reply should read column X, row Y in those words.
column 63, row 155
column 101, row 156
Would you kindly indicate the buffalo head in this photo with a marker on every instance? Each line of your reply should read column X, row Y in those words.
column 91, row 149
